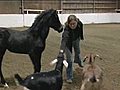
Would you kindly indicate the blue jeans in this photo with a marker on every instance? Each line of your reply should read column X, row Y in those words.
column 69, row 56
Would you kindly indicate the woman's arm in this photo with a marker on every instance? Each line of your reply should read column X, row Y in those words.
column 64, row 40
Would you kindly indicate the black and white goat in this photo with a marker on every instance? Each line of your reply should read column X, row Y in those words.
column 91, row 72
column 51, row 80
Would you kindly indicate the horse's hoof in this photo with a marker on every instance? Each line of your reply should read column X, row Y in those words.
column 6, row 85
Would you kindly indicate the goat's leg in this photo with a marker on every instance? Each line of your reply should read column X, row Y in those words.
column 2, row 80
column 36, row 60
column 83, row 84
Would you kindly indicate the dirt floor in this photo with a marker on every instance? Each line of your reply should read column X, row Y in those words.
column 102, row 39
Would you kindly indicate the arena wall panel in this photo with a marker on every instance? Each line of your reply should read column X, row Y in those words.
column 20, row 20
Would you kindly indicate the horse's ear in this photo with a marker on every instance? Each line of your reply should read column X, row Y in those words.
column 51, row 10
column 54, row 11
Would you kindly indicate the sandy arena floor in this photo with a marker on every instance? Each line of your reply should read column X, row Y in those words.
column 102, row 39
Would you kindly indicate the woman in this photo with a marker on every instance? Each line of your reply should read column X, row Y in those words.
column 73, row 33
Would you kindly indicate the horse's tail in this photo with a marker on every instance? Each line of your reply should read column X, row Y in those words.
column 19, row 79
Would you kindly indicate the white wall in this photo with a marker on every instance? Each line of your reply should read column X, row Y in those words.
column 29, row 19
column 19, row 20
column 11, row 20
column 94, row 18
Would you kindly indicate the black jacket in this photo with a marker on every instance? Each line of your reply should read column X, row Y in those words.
column 70, row 35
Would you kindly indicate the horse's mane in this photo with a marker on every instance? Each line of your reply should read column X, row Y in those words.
column 39, row 19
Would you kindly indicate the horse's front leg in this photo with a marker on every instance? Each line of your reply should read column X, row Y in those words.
column 2, row 80
column 36, row 60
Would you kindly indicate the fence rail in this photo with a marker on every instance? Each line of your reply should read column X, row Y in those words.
column 35, row 11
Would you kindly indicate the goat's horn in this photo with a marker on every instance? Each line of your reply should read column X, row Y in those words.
column 65, row 63
column 98, row 56
column 85, row 58
column 53, row 62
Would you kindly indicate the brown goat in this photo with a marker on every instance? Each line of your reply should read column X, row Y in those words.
column 91, row 72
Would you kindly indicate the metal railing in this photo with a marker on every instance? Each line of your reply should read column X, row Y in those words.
column 35, row 11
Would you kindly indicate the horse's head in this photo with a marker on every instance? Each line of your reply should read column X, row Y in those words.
column 48, row 18
column 54, row 21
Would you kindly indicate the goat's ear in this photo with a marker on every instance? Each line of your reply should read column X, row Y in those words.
column 98, row 56
column 65, row 63
column 54, row 61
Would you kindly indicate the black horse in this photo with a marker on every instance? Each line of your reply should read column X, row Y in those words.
column 31, row 41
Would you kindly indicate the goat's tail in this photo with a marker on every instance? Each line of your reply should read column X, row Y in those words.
column 19, row 79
